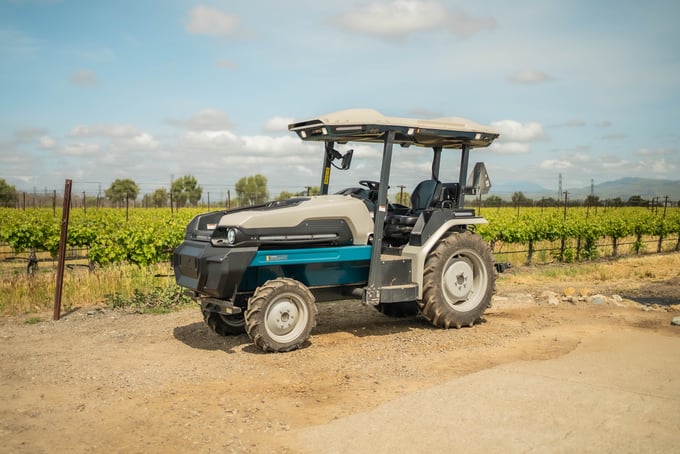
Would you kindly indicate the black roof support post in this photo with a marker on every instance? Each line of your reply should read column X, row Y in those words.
column 436, row 161
column 326, row 170
column 462, row 177
column 372, row 291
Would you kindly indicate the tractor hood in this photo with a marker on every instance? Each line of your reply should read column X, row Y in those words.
column 327, row 220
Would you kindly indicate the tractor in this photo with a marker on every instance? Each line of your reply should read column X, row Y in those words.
column 262, row 269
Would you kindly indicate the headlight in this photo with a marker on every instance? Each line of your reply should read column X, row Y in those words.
column 231, row 236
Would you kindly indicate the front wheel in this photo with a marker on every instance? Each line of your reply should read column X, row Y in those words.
column 280, row 315
column 458, row 281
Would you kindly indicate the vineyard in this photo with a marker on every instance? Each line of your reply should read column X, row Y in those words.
column 146, row 236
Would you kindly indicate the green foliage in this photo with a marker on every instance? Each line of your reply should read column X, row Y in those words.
column 120, row 190
column 536, row 225
column 252, row 190
column 157, row 300
column 285, row 195
column 186, row 190
column 309, row 191
column 8, row 194
column 157, row 199
column 147, row 237
column 403, row 198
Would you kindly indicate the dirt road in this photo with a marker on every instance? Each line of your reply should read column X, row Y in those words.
column 101, row 380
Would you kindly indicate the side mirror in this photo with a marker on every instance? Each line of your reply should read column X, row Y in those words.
column 478, row 182
column 347, row 160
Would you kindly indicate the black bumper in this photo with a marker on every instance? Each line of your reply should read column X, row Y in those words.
column 209, row 270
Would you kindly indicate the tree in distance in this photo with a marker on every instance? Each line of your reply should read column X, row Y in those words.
column 122, row 189
column 157, row 199
column 403, row 198
column 8, row 194
column 309, row 190
column 252, row 190
column 186, row 190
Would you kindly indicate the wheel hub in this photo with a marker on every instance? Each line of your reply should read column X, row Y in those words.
column 458, row 280
column 282, row 317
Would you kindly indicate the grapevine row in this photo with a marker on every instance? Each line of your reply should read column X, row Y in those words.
column 148, row 235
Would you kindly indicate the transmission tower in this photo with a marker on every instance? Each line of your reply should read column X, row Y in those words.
column 592, row 187
column 559, row 188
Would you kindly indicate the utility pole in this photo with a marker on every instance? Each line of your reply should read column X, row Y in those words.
column 401, row 194
column 559, row 189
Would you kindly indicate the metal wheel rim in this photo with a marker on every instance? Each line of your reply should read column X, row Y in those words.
column 286, row 318
column 464, row 281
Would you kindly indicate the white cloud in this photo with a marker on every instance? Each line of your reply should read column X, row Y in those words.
column 142, row 141
column 211, row 21
column 400, row 18
column 514, row 131
column 614, row 164
column 204, row 120
column 658, row 166
column 510, row 147
column 111, row 131
column 80, row 149
column 657, row 152
column 555, row 164
column 47, row 142
column 84, row 78
column 278, row 124
column 529, row 76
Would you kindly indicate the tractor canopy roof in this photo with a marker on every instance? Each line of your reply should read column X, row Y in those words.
column 368, row 125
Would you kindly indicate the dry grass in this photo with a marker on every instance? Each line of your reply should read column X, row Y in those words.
column 615, row 274
column 23, row 294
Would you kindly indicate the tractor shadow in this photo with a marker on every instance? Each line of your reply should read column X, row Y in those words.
column 352, row 317
column 199, row 336
column 347, row 316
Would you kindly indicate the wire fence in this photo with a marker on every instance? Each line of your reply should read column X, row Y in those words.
column 230, row 198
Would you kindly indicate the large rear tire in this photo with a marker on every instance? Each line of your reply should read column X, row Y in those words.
column 458, row 281
column 280, row 315
column 225, row 325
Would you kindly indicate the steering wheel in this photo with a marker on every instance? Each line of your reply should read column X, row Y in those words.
column 371, row 185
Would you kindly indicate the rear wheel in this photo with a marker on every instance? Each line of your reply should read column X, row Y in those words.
column 458, row 281
column 225, row 325
column 280, row 316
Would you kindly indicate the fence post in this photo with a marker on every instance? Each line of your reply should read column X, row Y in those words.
column 62, row 249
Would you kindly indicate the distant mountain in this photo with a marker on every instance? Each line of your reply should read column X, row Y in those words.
column 647, row 188
column 527, row 187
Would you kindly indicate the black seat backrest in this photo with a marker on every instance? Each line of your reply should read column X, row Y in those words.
column 446, row 196
column 422, row 195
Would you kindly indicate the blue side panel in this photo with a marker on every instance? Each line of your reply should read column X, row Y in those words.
column 316, row 255
column 318, row 267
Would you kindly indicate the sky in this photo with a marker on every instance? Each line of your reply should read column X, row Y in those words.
column 95, row 91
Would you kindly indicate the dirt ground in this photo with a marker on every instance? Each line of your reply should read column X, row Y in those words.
column 102, row 380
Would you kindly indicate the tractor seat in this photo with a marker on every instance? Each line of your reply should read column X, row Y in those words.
column 396, row 226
